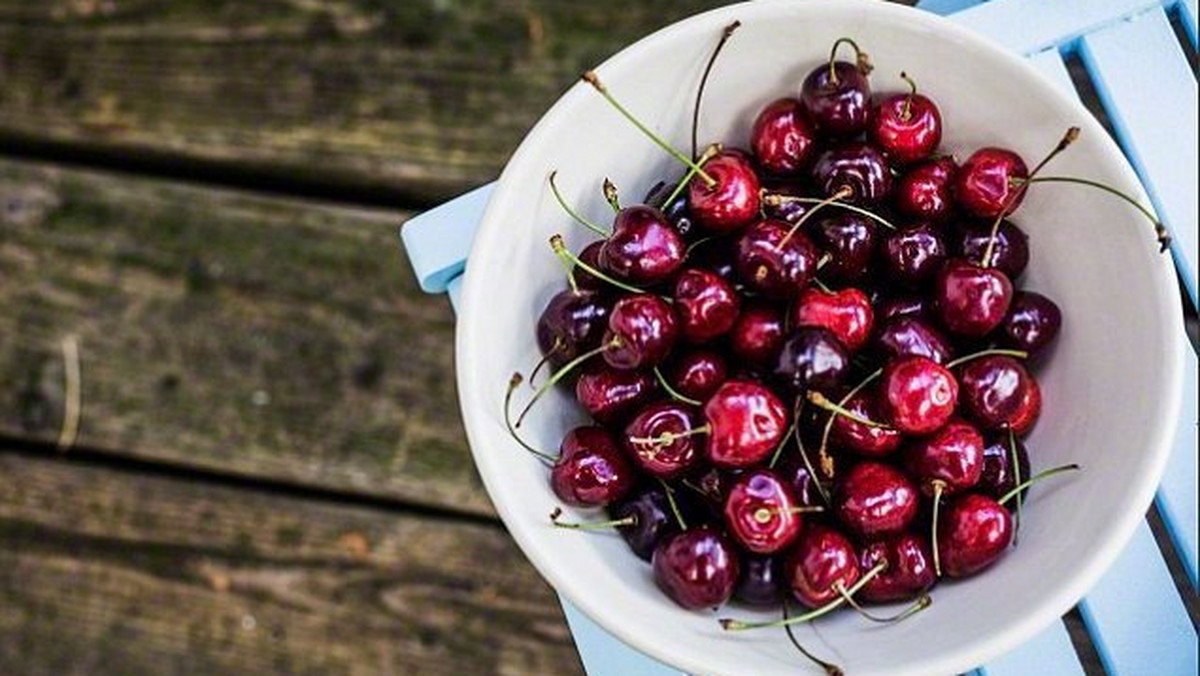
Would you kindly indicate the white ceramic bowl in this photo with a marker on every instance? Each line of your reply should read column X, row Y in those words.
column 1111, row 388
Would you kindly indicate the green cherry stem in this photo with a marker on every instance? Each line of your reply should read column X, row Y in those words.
column 730, row 624
column 662, row 381
column 1016, row 468
column 558, row 345
column 562, row 373
column 561, row 250
column 841, row 194
column 1036, row 478
column 1019, row 354
column 513, row 384
column 824, row 450
column 670, row 493
column 826, row 461
column 830, row 669
column 821, row 401
column 726, row 33
column 782, row 443
column 775, row 199
column 1160, row 230
column 938, row 487
column 917, row 606
column 628, row 521
column 571, row 212
column 669, row 437
column 710, row 152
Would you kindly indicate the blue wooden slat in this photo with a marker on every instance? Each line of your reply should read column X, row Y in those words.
column 1187, row 11
column 604, row 655
column 1149, row 91
column 1176, row 497
column 945, row 7
column 1029, row 26
column 439, row 240
column 1050, row 652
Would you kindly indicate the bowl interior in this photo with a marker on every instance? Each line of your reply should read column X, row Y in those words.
column 1110, row 387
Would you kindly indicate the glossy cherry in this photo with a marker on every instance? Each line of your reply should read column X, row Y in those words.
column 913, row 256
column 760, row 512
column 652, row 520
column 746, row 422
column 812, row 358
column 734, row 201
column 925, row 193
column 761, row 582
column 874, row 500
column 971, row 300
column 697, row 568
column 1010, row 254
column 985, row 184
column 697, row 373
column 775, row 261
column 1027, row 414
column 847, row 313
column 782, row 138
column 660, row 440
column 917, row 395
column 757, row 335
column 572, row 323
column 641, row 332
column 909, row 572
column 590, row 255
column 992, row 389
column 644, row 248
column 907, row 335
column 1033, row 322
column 974, row 532
column 590, row 471
column 907, row 127
column 837, row 98
column 849, row 434
column 999, row 473
column 850, row 240
column 858, row 167
column 609, row 395
column 822, row 560
column 705, row 304
column 951, row 457
column 903, row 304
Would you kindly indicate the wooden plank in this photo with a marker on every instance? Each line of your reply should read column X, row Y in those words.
column 1049, row 652
column 1176, row 497
column 259, row 337
column 1030, row 26
column 604, row 655
column 424, row 96
column 106, row 571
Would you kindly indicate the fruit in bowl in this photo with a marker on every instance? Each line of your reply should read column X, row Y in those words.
column 850, row 290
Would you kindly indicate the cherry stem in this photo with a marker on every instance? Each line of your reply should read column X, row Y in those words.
column 860, row 58
column 670, row 493
column 826, row 258
column 1016, row 469
column 729, row 624
column 1019, row 354
column 821, row 401
column 917, row 606
column 938, row 487
column 822, row 285
column 561, row 250
column 906, row 112
column 591, row 78
column 764, row 514
column 853, row 391
column 671, row 390
column 1036, row 478
column 562, row 373
column 826, row 461
column 558, row 343
column 726, row 33
column 830, row 669
column 1067, row 139
column 710, row 152
column 841, row 194
column 571, row 212
column 628, row 521
column 775, row 199
column 513, row 384
column 697, row 243
column 669, row 437
column 611, row 195
column 1160, row 230
column 782, row 443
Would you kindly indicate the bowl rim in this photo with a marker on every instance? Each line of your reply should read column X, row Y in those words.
column 972, row 653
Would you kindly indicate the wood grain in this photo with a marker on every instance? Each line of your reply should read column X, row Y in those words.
column 106, row 571
column 259, row 337
column 425, row 97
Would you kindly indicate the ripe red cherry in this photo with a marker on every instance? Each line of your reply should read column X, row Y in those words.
column 761, row 583
column 590, row 470
column 773, row 262
column 746, row 422
column 850, row 240
column 975, row 530
column 822, row 560
column 984, row 185
column 846, row 313
column 903, row 305
column 609, row 394
column 864, row 439
column 992, row 389
column 904, row 336
column 971, row 301
column 1027, row 413
column 999, row 473
column 909, row 572
column 670, row 454
column 812, row 358
column 590, row 255
column 572, row 323
column 734, row 200
column 644, row 248
column 641, row 332
column 908, row 127
column 782, row 137
column 951, row 457
column 652, row 520
column 697, row 373
column 914, row 255
column 858, row 167
column 706, row 305
column 757, row 334
column 697, row 568
column 1032, row 323
column 918, row 395
column 874, row 500
column 837, row 98
column 1010, row 254
column 760, row 512
column 924, row 193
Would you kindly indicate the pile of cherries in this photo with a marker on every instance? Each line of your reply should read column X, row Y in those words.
column 807, row 363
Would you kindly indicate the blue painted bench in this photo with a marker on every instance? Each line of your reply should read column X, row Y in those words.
column 1135, row 615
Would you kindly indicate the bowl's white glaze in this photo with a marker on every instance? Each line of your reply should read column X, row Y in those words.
column 1111, row 385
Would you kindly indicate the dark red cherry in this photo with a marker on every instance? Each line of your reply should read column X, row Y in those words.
column 590, row 255
column 822, row 560
column 812, row 358
column 992, row 388
column 846, row 313
column 788, row 211
column 676, row 212
column 857, row 166
column 1027, row 413
column 609, row 395
column 837, row 99
column 652, row 520
column 905, row 336
column 782, row 138
column 660, row 440
column 734, row 201
column 760, row 512
column 590, row 470
column 984, row 185
column 641, row 332
column 907, row 127
column 999, row 477
column 757, row 334
column 774, row 262
column 863, row 439
column 974, row 531
column 572, row 323
column 903, row 305
column 917, row 395
column 850, row 240
column 697, row 373
column 761, row 582
column 1010, row 255
column 909, row 572
column 1032, row 323
column 718, row 255
column 951, row 456
column 914, row 255
column 971, row 301
column 874, row 500
column 924, row 192
column 697, row 568
column 706, row 305
column 644, row 248
column 746, row 422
